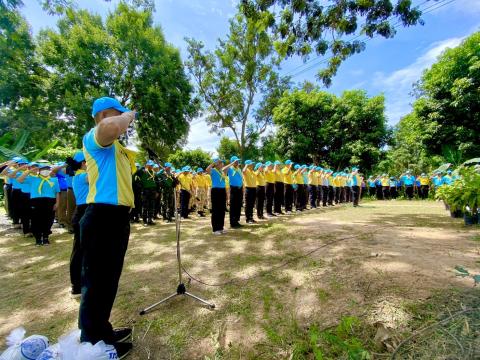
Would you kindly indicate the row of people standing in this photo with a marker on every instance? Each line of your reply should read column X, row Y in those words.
column 385, row 187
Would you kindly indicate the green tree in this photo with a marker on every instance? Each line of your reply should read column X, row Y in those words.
column 304, row 27
column 319, row 127
column 22, row 85
column 448, row 106
column 193, row 158
column 125, row 57
column 236, row 76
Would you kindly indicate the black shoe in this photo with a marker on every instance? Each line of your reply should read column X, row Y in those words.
column 123, row 349
column 38, row 242
column 236, row 226
column 76, row 291
column 122, row 335
column 45, row 241
column 150, row 222
column 251, row 221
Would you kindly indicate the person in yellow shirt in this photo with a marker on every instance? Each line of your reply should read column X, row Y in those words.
column 185, row 180
column 269, row 187
column 385, row 181
column 288, row 183
column 261, row 183
column 250, row 182
column 318, row 171
column 201, row 191
column 424, row 185
column 279, row 188
column 298, row 176
column 312, row 186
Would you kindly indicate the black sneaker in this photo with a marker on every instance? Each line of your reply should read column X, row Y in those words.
column 45, row 241
column 123, row 349
column 122, row 335
column 76, row 291
column 38, row 242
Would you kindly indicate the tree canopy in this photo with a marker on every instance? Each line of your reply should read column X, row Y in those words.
column 303, row 27
column 319, row 127
column 126, row 57
column 237, row 82
column 196, row 157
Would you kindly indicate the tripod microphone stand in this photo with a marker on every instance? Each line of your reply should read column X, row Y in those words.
column 181, row 289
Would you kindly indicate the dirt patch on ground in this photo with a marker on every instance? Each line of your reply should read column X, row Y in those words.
column 369, row 262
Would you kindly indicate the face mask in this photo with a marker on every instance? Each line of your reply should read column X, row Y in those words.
column 45, row 173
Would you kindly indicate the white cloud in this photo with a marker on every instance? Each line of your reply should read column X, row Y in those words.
column 397, row 85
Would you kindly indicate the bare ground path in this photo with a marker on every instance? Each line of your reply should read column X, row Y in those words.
column 387, row 264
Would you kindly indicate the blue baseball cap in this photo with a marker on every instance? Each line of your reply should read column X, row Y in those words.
column 199, row 169
column 268, row 163
column 277, row 163
column 79, row 156
column 16, row 159
column 318, row 168
column 311, row 167
column 167, row 164
column 150, row 163
column 156, row 166
column 304, row 166
column 449, row 171
column 296, row 167
column 22, row 162
column 248, row 162
column 288, row 162
column 105, row 103
column 234, row 158
column 354, row 168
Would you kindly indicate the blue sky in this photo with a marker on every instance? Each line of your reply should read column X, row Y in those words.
column 386, row 66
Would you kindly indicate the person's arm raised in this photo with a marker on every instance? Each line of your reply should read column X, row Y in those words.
column 109, row 129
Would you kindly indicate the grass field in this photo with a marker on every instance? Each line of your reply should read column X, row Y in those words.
column 333, row 283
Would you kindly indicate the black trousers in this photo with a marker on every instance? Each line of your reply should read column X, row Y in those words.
column 312, row 189
column 168, row 204
column 25, row 212
column 319, row 195
column 325, row 195
column 409, row 192
column 236, row 200
column 393, row 192
column 16, row 207
column 104, row 234
column 379, row 189
column 338, row 193
column 355, row 195
column 7, row 192
column 424, row 191
column 299, row 200
column 218, row 198
column 372, row 191
column 279, row 197
column 330, row 195
column 260, row 200
column 386, row 192
column 137, row 210
column 250, row 196
column 184, row 202
column 269, row 194
column 42, row 217
column 76, row 255
column 348, row 194
column 149, row 197
column 288, row 197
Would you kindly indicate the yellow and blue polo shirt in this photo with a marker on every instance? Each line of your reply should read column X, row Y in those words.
column 269, row 176
column 249, row 178
column 109, row 170
column 42, row 187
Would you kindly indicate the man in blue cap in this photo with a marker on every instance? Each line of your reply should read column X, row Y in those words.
column 408, row 181
column 218, row 195
column 288, row 181
column 12, row 171
column 356, row 182
column 137, row 195
column 105, row 226
column 236, row 191
column 279, row 199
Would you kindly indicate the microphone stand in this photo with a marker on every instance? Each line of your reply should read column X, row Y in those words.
column 181, row 289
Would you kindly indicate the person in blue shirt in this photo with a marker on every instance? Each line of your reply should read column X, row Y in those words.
column 105, row 225
column 447, row 178
column 21, row 197
column 218, row 195
column 13, row 172
column 371, row 186
column 80, row 190
column 235, row 178
column 44, row 198
column 393, row 188
column 58, row 170
column 437, row 180
column 408, row 181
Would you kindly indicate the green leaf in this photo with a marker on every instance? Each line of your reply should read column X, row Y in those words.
column 21, row 141
column 40, row 154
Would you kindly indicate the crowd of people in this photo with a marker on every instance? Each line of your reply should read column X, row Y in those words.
column 99, row 191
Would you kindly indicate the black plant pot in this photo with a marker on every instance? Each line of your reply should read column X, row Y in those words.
column 470, row 219
column 456, row 214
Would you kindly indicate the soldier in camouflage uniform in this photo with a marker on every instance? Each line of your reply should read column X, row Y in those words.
column 149, row 183
column 168, row 182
